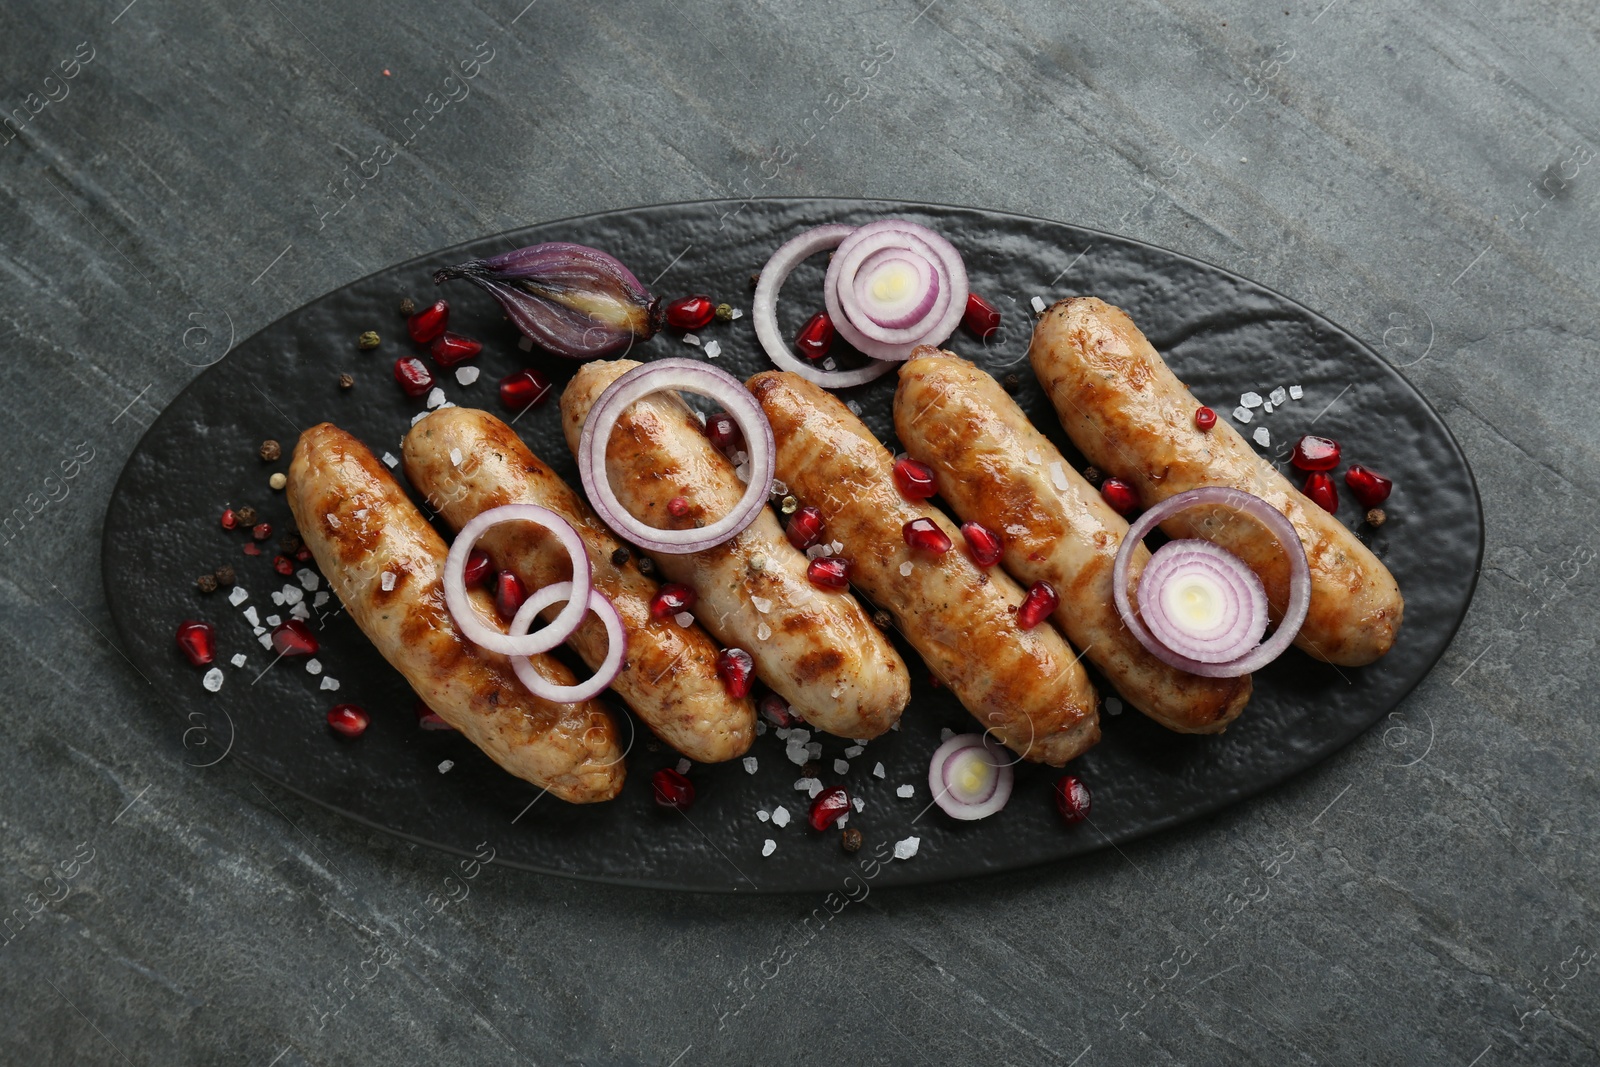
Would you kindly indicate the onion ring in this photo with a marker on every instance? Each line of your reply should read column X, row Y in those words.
column 703, row 380
column 764, row 309
column 849, row 318
column 604, row 675
column 945, row 772
column 474, row 628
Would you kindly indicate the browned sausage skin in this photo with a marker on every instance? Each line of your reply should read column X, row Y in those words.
column 1024, row 685
column 1126, row 411
column 817, row 649
column 994, row 467
column 360, row 525
column 669, row 677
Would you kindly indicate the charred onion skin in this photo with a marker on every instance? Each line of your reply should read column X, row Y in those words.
column 570, row 299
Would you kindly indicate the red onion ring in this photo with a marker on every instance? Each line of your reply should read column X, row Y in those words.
column 467, row 621
column 1239, row 627
column 1294, row 613
column 907, row 312
column 946, row 765
column 604, row 675
column 703, row 380
column 764, row 309
column 850, row 318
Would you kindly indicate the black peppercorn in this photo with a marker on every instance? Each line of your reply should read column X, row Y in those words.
column 619, row 558
column 224, row 574
column 270, row 450
column 407, row 307
column 1012, row 383
column 647, row 566
column 290, row 543
column 1093, row 476
column 882, row 619
column 346, row 381
column 850, row 840
column 246, row 515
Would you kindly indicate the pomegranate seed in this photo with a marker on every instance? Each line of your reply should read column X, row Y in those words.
column 304, row 555
column 1315, row 453
column 914, row 479
column 198, row 641
column 1320, row 488
column 1122, row 497
column 737, row 671
column 348, row 720
column 261, row 531
column 678, row 507
column 294, row 638
column 1072, row 799
column 428, row 719
column 508, row 594
column 933, row 680
column 671, row 599
column 478, row 566
column 691, row 312
column 980, row 317
column 230, row 521
column 722, row 430
column 1037, row 605
column 283, row 565
column 413, row 375
column 1370, row 487
column 251, row 548
column 523, row 388
column 925, row 535
column 1204, row 419
column 451, row 348
column 982, row 542
column 671, row 789
column 815, row 337
column 426, row 325
column 831, row 803
column 805, row 528
column 829, row 572
column 776, row 712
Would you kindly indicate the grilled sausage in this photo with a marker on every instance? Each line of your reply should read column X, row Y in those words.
column 818, row 650
column 1024, row 685
column 994, row 467
column 670, row 675
column 1126, row 411
column 360, row 525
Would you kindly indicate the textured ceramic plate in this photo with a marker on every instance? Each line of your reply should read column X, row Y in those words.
column 1222, row 334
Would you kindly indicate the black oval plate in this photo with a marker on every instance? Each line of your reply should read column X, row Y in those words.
column 1222, row 333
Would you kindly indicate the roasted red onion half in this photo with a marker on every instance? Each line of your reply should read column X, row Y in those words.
column 1201, row 608
column 572, row 300
column 701, row 379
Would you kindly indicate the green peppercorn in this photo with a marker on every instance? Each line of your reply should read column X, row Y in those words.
column 407, row 307
column 724, row 313
column 368, row 341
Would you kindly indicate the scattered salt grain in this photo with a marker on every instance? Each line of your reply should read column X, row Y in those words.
column 762, row 815
column 1034, row 455
column 1266, row 409
column 308, row 580
column 842, row 821
column 905, row 569
column 829, row 364
column 265, row 639
column 525, row 343
column 683, row 766
column 841, row 766
column 333, row 520
column 387, row 581
column 1250, row 400
column 768, row 847
column 906, row 791
column 1038, row 305
column 854, row 408
column 1242, row 415
column 1113, row 706
column 853, row 751
column 361, row 513
column 761, row 604
column 1058, row 477
column 817, row 551
column 750, row 765
column 735, row 314
column 277, row 598
column 258, row 630
column 291, row 595
column 1295, row 392
column 1278, row 396
column 272, row 620
column 319, row 600
column 1262, row 436
column 799, row 735
column 838, row 547
column 467, row 375
column 444, row 768
column 213, row 679
column 877, row 768
column 301, row 612
column 761, row 727
column 239, row 659
column 388, row 458
column 946, row 734
column 251, row 616
column 904, row 850
column 814, row 749
column 763, row 632
column 435, row 397
column 713, row 349
column 330, row 683
column 691, row 339
column 313, row 666
column 238, row 596
column 684, row 619
column 860, row 804
column 455, row 457
column 780, row 816
column 418, row 417
column 796, row 754
column 803, row 784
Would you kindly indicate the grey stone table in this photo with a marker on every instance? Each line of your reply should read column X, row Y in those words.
column 173, row 176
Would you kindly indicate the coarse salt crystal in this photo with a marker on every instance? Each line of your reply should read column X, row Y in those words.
column 444, row 768
column 691, row 339
column 782, row 732
column 946, row 734
column 1242, row 415
column 1278, row 396
column 1266, row 409
column 251, row 616
column 814, row 748
column 854, row 408
column 1262, row 436
column 761, row 727
column 525, row 343
column 762, row 815
column 750, row 765
column 239, row 659
column 799, row 735
column 435, row 397
column 330, row 683
column 713, row 349
column 829, row 364
column 388, row 458
column 319, row 600
column 291, row 595
column 418, row 417
column 1016, row 529
column 684, row 619
column 301, row 612
column 761, row 603
column 763, row 632
column 333, row 520
column 277, row 598
column 1250, row 400
column 836, row 692
column 877, row 770
column 853, row 751
column 455, row 457
column 796, row 754
column 238, row 596
column 683, row 766
column 905, row 569
column 780, row 816
column 1034, row 455
column 361, row 513
column 816, row 551
column 813, row 789
column 838, row 547
column 273, row 620
column 735, row 314
column 904, row 850
column 258, row 630
column 906, row 791
column 213, row 679
column 313, row 666
column 841, row 766
column 768, row 847
column 467, row 375
column 1113, row 706
column 387, row 581
column 860, row 804
column 308, row 579
column 265, row 639
column 842, row 821
column 742, row 472
column 1038, row 305
column 803, row 785
column 1295, row 392
column 1058, row 477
